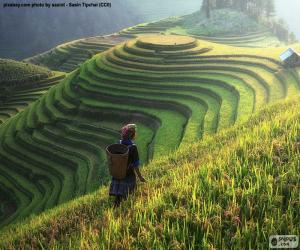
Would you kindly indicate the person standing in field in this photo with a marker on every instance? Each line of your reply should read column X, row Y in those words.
column 122, row 188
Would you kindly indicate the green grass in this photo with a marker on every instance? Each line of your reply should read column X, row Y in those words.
column 225, row 26
column 244, row 33
column 25, row 92
column 239, row 186
column 232, row 189
column 14, row 72
column 171, row 126
column 68, row 56
column 177, row 89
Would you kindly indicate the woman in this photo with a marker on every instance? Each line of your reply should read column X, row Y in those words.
column 121, row 188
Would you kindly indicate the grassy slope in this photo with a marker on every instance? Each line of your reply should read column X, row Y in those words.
column 67, row 56
column 13, row 71
column 239, row 187
column 221, row 49
column 245, row 32
column 47, row 131
column 227, row 26
column 21, row 83
column 222, row 21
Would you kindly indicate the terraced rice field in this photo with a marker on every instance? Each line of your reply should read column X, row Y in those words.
column 260, row 38
column 152, row 27
column 23, row 95
column 68, row 56
column 177, row 89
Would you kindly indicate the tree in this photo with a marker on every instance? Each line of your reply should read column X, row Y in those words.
column 254, row 8
column 207, row 7
column 243, row 5
column 220, row 4
column 281, row 30
column 235, row 4
column 292, row 38
column 259, row 5
column 269, row 7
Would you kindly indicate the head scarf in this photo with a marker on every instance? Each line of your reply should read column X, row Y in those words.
column 128, row 131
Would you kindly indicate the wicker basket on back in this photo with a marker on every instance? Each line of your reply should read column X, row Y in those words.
column 117, row 158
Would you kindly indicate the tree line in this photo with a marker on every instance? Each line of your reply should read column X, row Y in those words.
column 255, row 8
column 261, row 10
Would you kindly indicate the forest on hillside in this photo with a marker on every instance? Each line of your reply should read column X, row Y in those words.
column 264, row 11
column 289, row 12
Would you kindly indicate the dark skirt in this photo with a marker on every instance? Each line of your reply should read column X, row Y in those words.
column 122, row 187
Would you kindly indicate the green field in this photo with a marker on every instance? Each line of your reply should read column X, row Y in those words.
column 229, row 27
column 225, row 27
column 20, row 73
column 177, row 89
column 218, row 139
column 21, row 84
column 238, row 187
column 68, row 56
column 245, row 32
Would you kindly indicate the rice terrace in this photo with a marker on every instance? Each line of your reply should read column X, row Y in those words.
column 218, row 118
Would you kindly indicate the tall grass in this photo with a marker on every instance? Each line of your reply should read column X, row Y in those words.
column 231, row 190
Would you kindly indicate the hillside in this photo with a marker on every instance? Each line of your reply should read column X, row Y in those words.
column 221, row 28
column 230, row 27
column 15, row 73
column 225, row 26
column 29, row 31
column 238, row 187
column 173, row 87
column 289, row 13
column 68, row 56
column 21, row 84
column 222, row 22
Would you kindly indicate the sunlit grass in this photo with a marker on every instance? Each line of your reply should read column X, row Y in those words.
column 233, row 189
column 165, row 40
column 178, row 89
